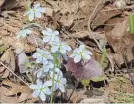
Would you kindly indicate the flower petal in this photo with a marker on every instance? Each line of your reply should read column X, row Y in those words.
column 49, row 30
column 38, row 14
column 47, row 91
column 86, row 56
column 42, row 96
column 37, row 5
column 46, row 39
column 39, row 60
column 61, row 87
column 54, row 48
column 62, row 50
column 63, row 81
column 43, row 10
column 47, row 83
column 39, row 74
column 36, row 93
column 34, row 87
column 77, row 58
column 39, row 82
column 56, row 33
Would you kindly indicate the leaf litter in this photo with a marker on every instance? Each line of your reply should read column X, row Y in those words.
column 70, row 17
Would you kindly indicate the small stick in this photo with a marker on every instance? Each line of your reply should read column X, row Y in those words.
column 14, row 73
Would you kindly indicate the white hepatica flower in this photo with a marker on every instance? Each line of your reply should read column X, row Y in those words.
column 42, row 56
column 41, row 89
column 79, row 53
column 50, row 35
column 34, row 12
column 60, row 46
column 23, row 33
column 47, row 66
column 59, row 81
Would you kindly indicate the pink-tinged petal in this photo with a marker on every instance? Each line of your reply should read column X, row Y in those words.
column 36, row 93
column 77, row 58
column 63, row 81
column 61, row 87
column 42, row 96
column 34, row 87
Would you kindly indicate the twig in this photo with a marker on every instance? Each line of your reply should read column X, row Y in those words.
column 92, row 34
column 14, row 73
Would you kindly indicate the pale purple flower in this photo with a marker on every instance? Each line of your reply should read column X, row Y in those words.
column 60, row 46
column 79, row 53
column 34, row 12
column 23, row 33
column 59, row 81
column 41, row 89
column 42, row 56
column 50, row 35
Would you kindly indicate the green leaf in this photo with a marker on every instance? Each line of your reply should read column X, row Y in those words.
column 131, row 23
column 103, row 56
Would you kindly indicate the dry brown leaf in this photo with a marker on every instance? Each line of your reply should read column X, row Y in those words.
column 80, row 34
column 121, row 42
column 9, row 59
column 13, row 90
column 67, row 20
column 103, row 16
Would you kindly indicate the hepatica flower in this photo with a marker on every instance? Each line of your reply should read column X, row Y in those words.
column 23, row 33
column 79, row 53
column 59, row 81
column 42, row 56
column 34, row 12
column 41, row 90
column 60, row 46
column 50, row 35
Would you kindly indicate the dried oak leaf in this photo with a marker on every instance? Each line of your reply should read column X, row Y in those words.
column 87, row 70
column 9, row 59
column 121, row 42
column 8, row 95
column 103, row 15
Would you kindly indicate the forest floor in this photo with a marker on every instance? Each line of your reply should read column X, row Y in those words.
column 96, row 23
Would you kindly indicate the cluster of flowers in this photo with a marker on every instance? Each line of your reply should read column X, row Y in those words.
column 46, row 58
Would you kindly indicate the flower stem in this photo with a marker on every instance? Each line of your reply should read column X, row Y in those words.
column 55, row 63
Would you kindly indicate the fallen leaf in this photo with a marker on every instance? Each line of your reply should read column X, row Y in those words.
column 9, row 59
